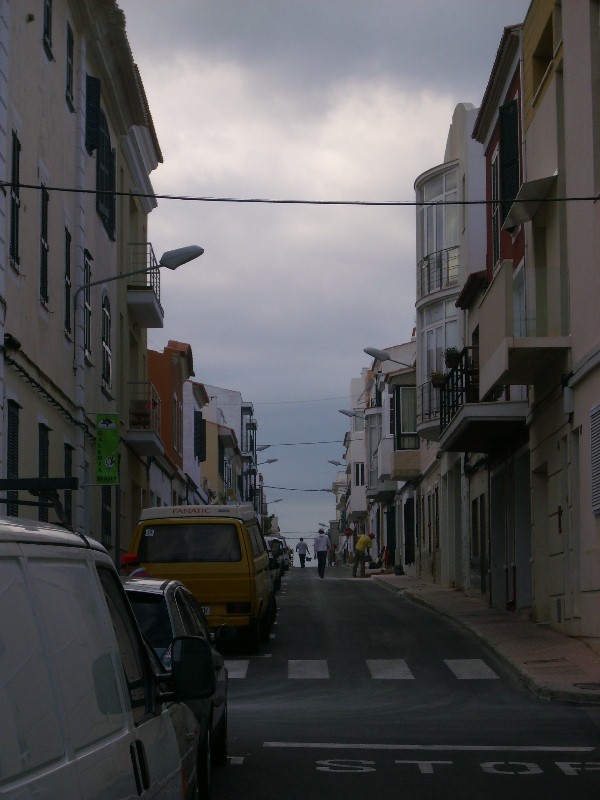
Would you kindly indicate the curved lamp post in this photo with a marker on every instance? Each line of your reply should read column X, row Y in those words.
column 383, row 355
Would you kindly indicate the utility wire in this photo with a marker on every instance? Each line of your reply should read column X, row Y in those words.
column 273, row 201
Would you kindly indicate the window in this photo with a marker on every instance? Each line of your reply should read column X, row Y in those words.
column 177, row 423
column 439, row 330
column 359, row 474
column 438, row 267
column 199, row 436
column 15, row 200
column 43, row 462
column 405, row 413
column 595, row 455
column 44, row 247
column 12, row 455
column 106, row 349
column 68, row 299
column 68, row 495
column 87, row 303
column 47, row 38
column 105, row 177
column 508, row 121
column 69, row 68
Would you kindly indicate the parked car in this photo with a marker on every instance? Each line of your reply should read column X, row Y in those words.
column 219, row 553
column 275, row 565
column 280, row 548
column 85, row 710
column 166, row 609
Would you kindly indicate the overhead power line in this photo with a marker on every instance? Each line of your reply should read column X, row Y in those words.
column 274, row 201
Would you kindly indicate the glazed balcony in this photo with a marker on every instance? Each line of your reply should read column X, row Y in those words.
column 143, row 432
column 516, row 351
column 143, row 290
column 428, row 412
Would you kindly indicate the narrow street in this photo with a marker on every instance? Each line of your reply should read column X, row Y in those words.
column 361, row 692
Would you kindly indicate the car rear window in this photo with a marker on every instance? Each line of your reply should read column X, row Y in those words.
column 210, row 542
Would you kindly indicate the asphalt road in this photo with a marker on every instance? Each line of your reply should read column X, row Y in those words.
column 361, row 693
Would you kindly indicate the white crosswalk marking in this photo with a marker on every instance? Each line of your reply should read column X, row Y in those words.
column 237, row 669
column 390, row 669
column 308, row 669
column 469, row 669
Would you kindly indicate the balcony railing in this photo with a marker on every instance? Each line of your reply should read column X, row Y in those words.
column 428, row 403
column 461, row 386
column 144, row 407
column 142, row 257
column 437, row 271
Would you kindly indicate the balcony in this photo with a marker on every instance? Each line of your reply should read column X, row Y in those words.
column 515, row 352
column 437, row 271
column 143, row 432
column 468, row 425
column 406, row 465
column 143, row 290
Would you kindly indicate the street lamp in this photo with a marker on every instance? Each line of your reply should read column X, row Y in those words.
column 347, row 412
column 383, row 355
column 268, row 461
column 171, row 259
column 335, row 463
column 259, row 448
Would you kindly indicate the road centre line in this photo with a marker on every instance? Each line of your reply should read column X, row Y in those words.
column 435, row 747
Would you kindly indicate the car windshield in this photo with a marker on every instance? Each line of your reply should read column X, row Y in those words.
column 183, row 542
column 153, row 618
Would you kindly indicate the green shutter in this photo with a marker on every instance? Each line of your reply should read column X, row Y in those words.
column 199, row 436
column 92, row 113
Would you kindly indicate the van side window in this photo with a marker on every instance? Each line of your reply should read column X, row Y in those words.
column 134, row 660
column 258, row 545
column 30, row 719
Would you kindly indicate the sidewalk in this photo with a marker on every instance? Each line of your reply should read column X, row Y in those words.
column 550, row 664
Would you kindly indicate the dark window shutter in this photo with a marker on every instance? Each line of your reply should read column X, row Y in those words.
column 199, row 436
column 12, row 455
column 92, row 112
column 509, row 155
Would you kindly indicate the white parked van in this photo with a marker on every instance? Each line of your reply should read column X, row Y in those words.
column 83, row 711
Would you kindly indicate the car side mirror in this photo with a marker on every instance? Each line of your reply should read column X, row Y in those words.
column 192, row 668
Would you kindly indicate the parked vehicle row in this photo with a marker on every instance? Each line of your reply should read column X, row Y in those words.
column 219, row 553
column 87, row 709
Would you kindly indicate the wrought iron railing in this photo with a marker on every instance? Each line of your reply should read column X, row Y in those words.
column 461, row 385
column 143, row 258
column 437, row 271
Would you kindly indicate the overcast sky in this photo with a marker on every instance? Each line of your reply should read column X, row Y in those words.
column 315, row 100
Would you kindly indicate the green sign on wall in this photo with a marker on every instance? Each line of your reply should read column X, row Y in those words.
column 107, row 448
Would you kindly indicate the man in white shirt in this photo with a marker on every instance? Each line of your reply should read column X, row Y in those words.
column 302, row 550
column 321, row 546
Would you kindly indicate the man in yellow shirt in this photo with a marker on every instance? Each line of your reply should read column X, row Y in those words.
column 360, row 553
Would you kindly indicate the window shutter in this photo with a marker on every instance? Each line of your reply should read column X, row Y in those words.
column 12, row 455
column 509, row 155
column 595, row 454
column 92, row 112
column 199, row 436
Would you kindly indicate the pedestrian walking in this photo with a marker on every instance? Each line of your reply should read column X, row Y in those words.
column 302, row 550
column 360, row 553
column 321, row 546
